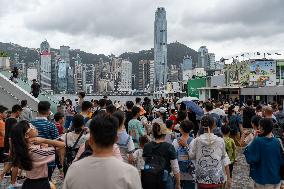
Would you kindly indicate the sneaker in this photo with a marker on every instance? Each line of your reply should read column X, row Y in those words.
column 14, row 186
column 8, row 174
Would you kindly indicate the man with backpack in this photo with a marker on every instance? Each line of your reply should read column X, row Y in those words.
column 102, row 169
column 160, row 161
column 187, row 172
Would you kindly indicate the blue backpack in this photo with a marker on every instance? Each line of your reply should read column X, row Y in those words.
column 185, row 165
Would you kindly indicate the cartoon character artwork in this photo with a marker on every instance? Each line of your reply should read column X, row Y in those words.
column 211, row 168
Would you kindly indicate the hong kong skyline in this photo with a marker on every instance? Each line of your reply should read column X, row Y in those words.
column 123, row 26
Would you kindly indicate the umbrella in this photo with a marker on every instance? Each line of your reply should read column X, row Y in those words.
column 194, row 107
column 187, row 99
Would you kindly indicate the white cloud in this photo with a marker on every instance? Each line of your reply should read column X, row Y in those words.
column 116, row 26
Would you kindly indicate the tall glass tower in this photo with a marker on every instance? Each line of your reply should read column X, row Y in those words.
column 160, row 48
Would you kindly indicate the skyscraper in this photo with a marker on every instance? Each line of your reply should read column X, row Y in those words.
column 146, row 75
column 160, row 47
column 45, row 66
column 64, row 54
column 62, row 76
column 125, row 83
column 202, row 57
column 211, row 62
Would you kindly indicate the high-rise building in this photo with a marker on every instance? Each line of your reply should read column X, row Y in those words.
column 44, row 46
column 90, row 77
column 79, row 75
column 70, row 80
column 187, row 67
column 45, row 66
column 61, row 76
column 202, row 57
column 211, row 61
column 125, row 83
column 64, row 54
column 146, row 75
column 173, row 74
column 160, row 47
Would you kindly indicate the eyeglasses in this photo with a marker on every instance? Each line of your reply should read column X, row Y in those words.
column 29, row 129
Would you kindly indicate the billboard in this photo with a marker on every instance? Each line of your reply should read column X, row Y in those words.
column 262, row 73
column 237, row 74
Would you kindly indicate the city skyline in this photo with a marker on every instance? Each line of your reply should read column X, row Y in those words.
column 214, row 24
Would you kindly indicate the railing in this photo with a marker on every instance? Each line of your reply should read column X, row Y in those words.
column 23, row 87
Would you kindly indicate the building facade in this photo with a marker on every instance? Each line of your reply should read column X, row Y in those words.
column 211, row 62
column 61, row 76
column 202, row 57
column 45, row 66
column 146, row 71
column 186, row 68
column 125, row 83
column 160, row 47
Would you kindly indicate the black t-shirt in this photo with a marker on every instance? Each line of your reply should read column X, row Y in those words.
column 35, row 88
column 248, row 113
column 9, row 124
column 164, row 149
column 128, row 117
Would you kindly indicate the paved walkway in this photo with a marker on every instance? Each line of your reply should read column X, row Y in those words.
column 241, row 178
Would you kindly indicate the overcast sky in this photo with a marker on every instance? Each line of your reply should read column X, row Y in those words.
column 115, row 26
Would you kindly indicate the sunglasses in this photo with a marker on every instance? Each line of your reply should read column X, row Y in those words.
column 29, row 129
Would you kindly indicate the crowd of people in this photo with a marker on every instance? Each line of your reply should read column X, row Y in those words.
column 147, row 144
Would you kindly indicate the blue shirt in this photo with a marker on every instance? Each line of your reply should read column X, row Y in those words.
column 46, row 129
column 265, row 157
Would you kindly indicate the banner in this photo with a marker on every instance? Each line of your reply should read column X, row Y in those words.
column 262, row 73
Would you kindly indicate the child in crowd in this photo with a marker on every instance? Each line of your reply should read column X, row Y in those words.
column 59, row 120
column 135, row 127
column 248, row 136
column 125, row 142
column 185, row 165
column 30, row 153
column 173, row 116
column 171, row 136
column 230, row 146
column 137, row 155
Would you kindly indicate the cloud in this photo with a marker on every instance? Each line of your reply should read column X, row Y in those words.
column 116, row 26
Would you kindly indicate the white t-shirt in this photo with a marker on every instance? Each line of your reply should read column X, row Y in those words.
column 102, row 173
column 72, row 137
column 138, row 157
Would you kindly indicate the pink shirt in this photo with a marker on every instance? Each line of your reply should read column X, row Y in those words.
column 40, row 157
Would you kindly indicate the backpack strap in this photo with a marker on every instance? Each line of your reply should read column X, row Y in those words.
column 75, row 144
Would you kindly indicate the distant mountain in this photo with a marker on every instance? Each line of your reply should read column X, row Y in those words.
column 176, row 53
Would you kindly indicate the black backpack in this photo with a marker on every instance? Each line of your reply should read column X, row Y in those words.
column 70, row 153
column 152, row 177
column 233, row 125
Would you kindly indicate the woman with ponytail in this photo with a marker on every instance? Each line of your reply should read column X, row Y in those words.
column 32, row 154
column 209, row 153
column 164, row 153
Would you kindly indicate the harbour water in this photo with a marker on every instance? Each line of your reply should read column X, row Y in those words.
column 122, row 99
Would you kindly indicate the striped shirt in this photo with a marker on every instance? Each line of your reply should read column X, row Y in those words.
column 46, row 129
column 40, row 157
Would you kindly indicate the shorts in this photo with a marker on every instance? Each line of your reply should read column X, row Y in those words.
column 41, row 183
